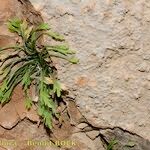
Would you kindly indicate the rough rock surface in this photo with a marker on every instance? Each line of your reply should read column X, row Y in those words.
column 125, row 140
column 9, row 117
column 111, row 84
column 16, row 9
column 85, row 143
column 19, row 137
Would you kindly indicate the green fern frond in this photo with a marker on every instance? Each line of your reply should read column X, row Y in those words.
column 28, row 64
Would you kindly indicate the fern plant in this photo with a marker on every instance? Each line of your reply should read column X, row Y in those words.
column 29, row 64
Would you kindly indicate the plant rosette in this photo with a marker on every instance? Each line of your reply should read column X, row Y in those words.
column 30, row 64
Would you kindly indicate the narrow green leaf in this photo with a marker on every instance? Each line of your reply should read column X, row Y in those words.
column 27, row 32
column 74, row 60
column 63, row 49
column 40, row 109
column 26, row 79
column 56, row 36
column 48, row 119
column 24, row 26
column 111, row 144
column 14, row 25
column 57, row 88
column 46, row 115
column 43, row 26
column 15, row 22
column 11, row 47
column 28, row 103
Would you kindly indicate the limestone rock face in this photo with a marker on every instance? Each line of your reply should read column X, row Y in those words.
column 111, row 84
column 17, row 9
column 9, row 117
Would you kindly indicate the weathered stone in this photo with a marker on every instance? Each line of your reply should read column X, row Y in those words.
column 63, row 132
column 2, row 130
column 125, row 140
column 47, row 148
column 75, row 115
column 93, row 134
column 17, row 8
column 9, row 117
column 25, row 131
column 83, row 142
column 82, row 125
column 1, row 148
column 112, row 42
column 19, row 103
column 98, row 144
